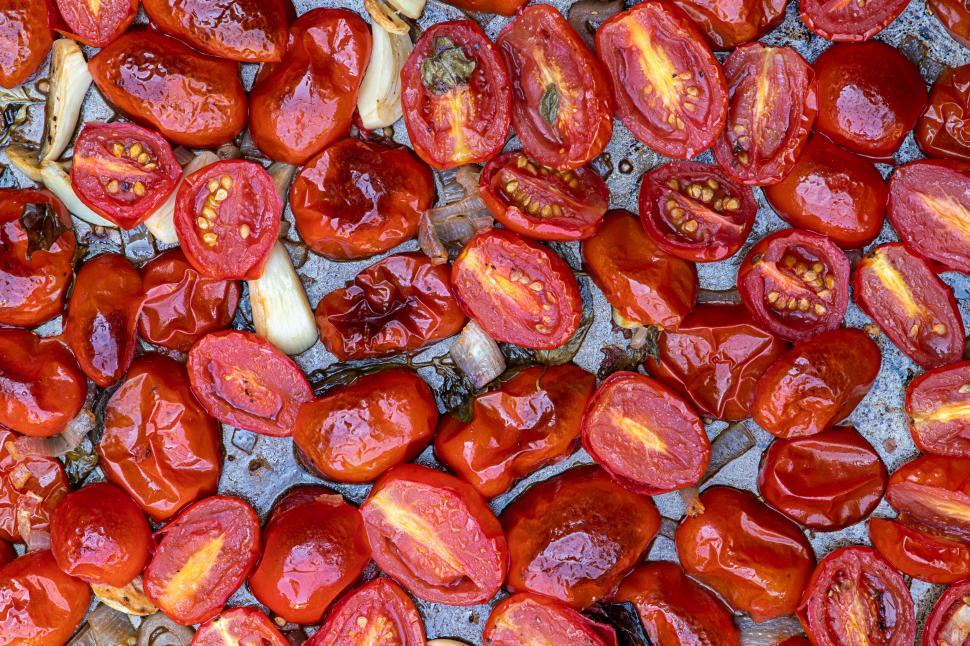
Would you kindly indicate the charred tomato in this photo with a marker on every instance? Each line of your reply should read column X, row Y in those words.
column 25, row 39
column 30, row 488
column 39, row 604
column 96, row 23
column 726, row 25
column 948, row 622
column 938, row 406
column 389, row 617
column 849, row 21
column 954, row 15
column 944, row 129
column 918, row 554
column 932, row 493
column 533, row 619
column 238, row 626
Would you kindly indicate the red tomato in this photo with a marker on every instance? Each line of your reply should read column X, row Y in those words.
column 30, row 489
column 849, row 21
column 948, row 623
column 575, row 536
column 533, row 619
column 101, row 320
column 25, row 38
column 715, row 359
column 436, row 536
column 932, row 493
column 192, row 99
column 695, row 212
column 399, row 303
column 519, row 292
column 796, row 284
column 501, row 7
column 540, row 202
column 37, row 247
column 7, row 553
column 938, row 406
column 239, row 627
column 728, row 24
column 562, row 110
column 855, row 596
column 530, row 421
column 39, row 604
column 914, row 308
column 456, row 96
column 388, row 614
column 918, row 554
column 944, row 129
column 755, row 558
column 227, row 216
column 244, row 381
column 98, row 22
column 954, row 15
column 306, row 103
column 202, row 557
column 358, row 198
column 869, row 97
column 668, row 87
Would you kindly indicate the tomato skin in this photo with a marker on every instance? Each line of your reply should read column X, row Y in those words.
column 239, row 626
column 947, row 622
column 99, row 26
column 527, row 618
column 944, row 128
column 850, row 22
column 918, row 554
column 26, row 38
column 726, row 25
column 530, row 421
column 192, row 99
column 501, row 7
column 575, row 536
column 384, row 605
column 955, row 18
column 930, row 400
column 30, row 489
column 932, row 494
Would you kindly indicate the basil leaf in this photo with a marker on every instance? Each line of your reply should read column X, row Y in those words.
column 549, row 104
column 42, row 226
column 446, row 67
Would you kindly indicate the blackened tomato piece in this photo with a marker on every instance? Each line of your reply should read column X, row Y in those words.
column 26, row 39
column 944, row 129
column 30, row 489
column 849, row 21
column 238, row 626
column 378, row 612
column 938, row 406
column 954, row 16
column 533, row 619
column 919, row 554
column 39, row 604
column 932, row 493
column 726, row 25
column 96, row 22
column 949, row 622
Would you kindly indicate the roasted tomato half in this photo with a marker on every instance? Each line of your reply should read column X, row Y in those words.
column 796, row 284
column 949, row 622
column 399, row 303
column 378, row 612
column 668, row 87
column 944, row 129
column 42, row 389
column 456, row 95
column 238, row 626
column 729, row 24
column 849, row 21
column 932, row 493
column 855, row 596
column 755, row 558
column 954, row 15
column 533, row 619
column 39, row 604
column 562, row 110
column 192, row 99
column 938, row 405
column 908, row 301
column 918, row 554
column 25, row 40
column 30, row 489
column 501, row 7
column 98, row 22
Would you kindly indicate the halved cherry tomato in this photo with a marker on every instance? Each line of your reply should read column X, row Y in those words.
column 562, row 109
column 855, row 596
column 755, row 558
column 527, row 618
column 726, row 25
column 501, row 7
column 944, row 129
column 388, row 614
column 918, row 554
column 915, row 309
column 39, row 604
column 954, row 15
column 97, row 22
column 399, row 303
column 575, row 536
column 237, row 627
column 932, row 493
column 796, row 284
column 949, row 622
column 938, row 406
column 30, row 488
column 202, row 557
column 192, row 99
column 25, row 39
column 849, row 21
column 242, row 379
column 668, row 87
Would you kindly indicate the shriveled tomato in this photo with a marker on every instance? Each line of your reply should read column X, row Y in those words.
column 908, row 301
column 949, row 622
column 932, row 493
column 456, row 96
column 307, row 101
column 944, row 129
column 25, row 38
column 726, row 25
column 954, row 15
column 938, row 406
column 97, row 22
column 399, row 303
column 855, row 596
column 501, row 7
column 575, row 536
column 30, row 488
column 562, row 109
column 202, row 557
column 533, row 619
column 669, row 89
column 378, row 612
column 530, row 421
column 192, row 99
column 755, row 558
column 918, row 554
column 816, row 384
column 39, row 604
column 238, row 627
column 849, row 21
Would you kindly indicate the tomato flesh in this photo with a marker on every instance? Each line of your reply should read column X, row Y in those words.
column 97, row 22
column 378, row 612
column 39, row 604
column 932, row 493
column 532, row 619
column 238, row 626
column 938, row 406
column 949, row 622
column 944, row 129
column 850, row 21
column 918, row 554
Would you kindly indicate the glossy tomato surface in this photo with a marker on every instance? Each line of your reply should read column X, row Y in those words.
column 944, row 129
column 239, row 627
column 501, row 7
column 378, row 612
column 39, row 604
column 99, row 22
column 726, row 25
column 25, row 38
column 938, row 406
column 850, row 21
column 948, row 622
column 932, row 493
column 527, row 618
column 918, row 554
column 954, row 16
column 30, row 488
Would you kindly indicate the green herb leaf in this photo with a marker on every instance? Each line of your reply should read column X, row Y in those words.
column 42, row 225
column 79, row 464
column 446, row 67
column 549, row 104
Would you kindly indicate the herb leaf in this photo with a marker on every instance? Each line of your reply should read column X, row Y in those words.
column 549, row 104
column 446, row 67
column 42, row 225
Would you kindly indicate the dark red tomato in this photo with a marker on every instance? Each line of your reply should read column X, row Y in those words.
column 501, row 7
column 202, row 557
column 949, row 623
column 562, row 109
column 938, row 405
column 355, row 433
column 96, row 22
column 192, row 99
column 797, row 640
column 158, row 443
column 7, row 553
column 101, row 321
column 307, row 102
column 674, row 609
column 227, row 216
column 30, row 489
column 796, row 284
column 856, row 597
column 954, row 15
column 39, row 604
column 533, row 619
column 244, row 381
column 519, row 292
column 728, row 24
column 944, row 129
column 399, row 303
column 755, row 558
column 826, row 482
column 530, row 421
column 840, row 20
column 378, row 612
column 314, row 546
column 238, row 626
column 715, row 359
column 869, row 97
column 932, row 493
column 668, row 87
column 359, row 198
column 575, row 536
column 456, row 95
column 540, row 202
column 918, row 554
column 37, row 247
column 908, row 301
column 817, row 383
column 25, row 38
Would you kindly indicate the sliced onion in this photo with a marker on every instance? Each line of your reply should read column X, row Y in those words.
column 108, row 626
column 24, row 159
column 281, row 311
column 282, row 175
column 691, row 497
column 161, row 223
column 57, row 445
column 728, row 446
column 719, row 296
column 69, row 83
column 768, row 633
column 668, row 527
column 58, row 182
column 129, row 599
column 33, row 537
column 477, row 355
column 455, row 222
column 159, row 630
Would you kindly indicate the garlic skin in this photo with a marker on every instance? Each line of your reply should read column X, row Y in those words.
column 58, row 182
column 161, row 223
column 69, row 83
column 379, row 99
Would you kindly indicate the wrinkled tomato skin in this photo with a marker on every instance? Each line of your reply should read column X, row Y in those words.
column 947, row 622
column 850, row 21
column 389, row 613
column 30, row 489
column 643, row 283
column 238, row 627
column 501, row 7
column 680, row 133
column 932, row 493
column 824, row 482
column 575, row 536
column 355, row 433
column 920, row 555
column 726, row 25
column 939, row 410
column 816, row 384
column 755, row 558
column 542, row 51
column 33, row 282
column 954, row 15
column 192, row 99
column 527, row 618
column 944, row 129
column 96, row 24
column 530, row 421
column 25, row 38
column 400, row 303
